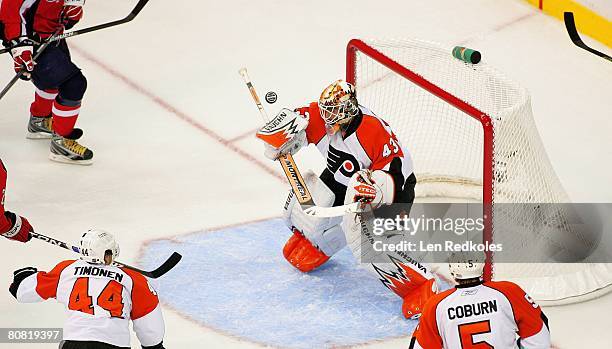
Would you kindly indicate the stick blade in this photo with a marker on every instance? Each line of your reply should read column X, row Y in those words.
column 170, row 263
column 570, row 25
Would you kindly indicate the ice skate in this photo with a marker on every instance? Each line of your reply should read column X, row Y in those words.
column 68, row 150
column 39, row 127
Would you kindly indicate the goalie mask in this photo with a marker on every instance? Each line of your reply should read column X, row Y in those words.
column 338, row 105
column 96, row 245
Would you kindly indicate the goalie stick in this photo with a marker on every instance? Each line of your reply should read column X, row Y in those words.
column 154, row 274
column 336, row 211
column 570, row 25
column 289, row 167
column 135, row 11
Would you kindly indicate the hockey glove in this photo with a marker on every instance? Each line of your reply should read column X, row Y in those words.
column 21, row 50
column 72, row 13
column 18, row 276
column 20, row 229
column 371, row 187
column 285, row 134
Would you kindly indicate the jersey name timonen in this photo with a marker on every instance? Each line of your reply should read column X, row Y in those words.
column 496, row 315
column 100, row 301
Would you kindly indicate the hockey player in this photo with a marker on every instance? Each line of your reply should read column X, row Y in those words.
column 12, row 226
column 59, row 83
column 365, row 162
column 100, row 299
column 477, row 314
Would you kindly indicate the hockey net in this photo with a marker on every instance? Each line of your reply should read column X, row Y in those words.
column 472, row 136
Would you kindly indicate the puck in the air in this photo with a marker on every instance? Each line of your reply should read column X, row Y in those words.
column 271, row 97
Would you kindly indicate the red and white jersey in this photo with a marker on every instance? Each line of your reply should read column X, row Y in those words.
column 368, row 143
column 23, row 17
column 5, row 224
column 496, row 315
column 100, row 301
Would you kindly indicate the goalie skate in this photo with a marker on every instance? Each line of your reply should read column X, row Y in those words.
column 39, row 127
column 67, row 150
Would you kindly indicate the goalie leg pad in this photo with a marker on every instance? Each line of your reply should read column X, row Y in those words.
column 302, row 254
column 324, row 233
column 414, row 301
column 401, row 273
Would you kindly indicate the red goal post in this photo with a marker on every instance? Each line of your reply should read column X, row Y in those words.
column 356, row 45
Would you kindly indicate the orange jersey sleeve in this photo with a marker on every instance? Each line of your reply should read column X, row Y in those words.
column 427, row 334
column 527, row 314
column 46, row 283
column 378, row 141
column 316, row 126
column 144, row 298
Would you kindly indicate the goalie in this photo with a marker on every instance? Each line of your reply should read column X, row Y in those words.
column 366, row 163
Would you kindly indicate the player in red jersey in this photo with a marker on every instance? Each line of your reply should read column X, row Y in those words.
column 365, row 162
column 477, row 314
column 59, row 83
column 100, row 299
column 12, row 226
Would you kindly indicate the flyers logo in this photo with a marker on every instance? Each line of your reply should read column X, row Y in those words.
column 338, row 160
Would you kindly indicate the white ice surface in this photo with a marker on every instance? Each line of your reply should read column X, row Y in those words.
column 156, row 175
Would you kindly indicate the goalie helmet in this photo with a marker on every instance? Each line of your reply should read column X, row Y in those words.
column 96, row 244
column 463, row 265
column 338, row 105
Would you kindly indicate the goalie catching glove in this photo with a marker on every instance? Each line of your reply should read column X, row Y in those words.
column 285, row 134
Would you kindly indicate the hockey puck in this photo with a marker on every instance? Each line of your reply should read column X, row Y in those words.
column 271, row 97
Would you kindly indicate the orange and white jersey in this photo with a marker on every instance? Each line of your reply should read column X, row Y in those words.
column 496, row 315
column 100, row 301
column 368, row 143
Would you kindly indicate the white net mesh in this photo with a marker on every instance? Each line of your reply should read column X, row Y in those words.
column 447, row 146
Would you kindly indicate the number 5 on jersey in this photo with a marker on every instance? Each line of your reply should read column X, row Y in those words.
column 110, row 299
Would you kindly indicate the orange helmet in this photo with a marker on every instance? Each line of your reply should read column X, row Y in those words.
column 338, row 104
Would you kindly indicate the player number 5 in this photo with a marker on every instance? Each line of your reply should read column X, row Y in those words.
column 468, row 331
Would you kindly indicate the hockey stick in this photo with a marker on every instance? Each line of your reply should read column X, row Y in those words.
column 154, row 274
column 289, row 167
column 18, row 75
column 135, row 11
column 336, row 211
column 57, row 36
column 570, row 25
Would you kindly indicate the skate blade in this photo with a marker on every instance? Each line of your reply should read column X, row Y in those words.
column 38, row 135
column 65, row 160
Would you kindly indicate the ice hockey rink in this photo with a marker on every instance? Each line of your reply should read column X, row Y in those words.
column 177, row 166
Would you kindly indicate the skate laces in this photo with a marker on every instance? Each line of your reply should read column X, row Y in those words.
column 47, row 123
column 74, row 146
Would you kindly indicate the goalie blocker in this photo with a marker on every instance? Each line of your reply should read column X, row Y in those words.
column 365, row 164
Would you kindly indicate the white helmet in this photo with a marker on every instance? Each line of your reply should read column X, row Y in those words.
column 338, row 104
column 464, row 265
column 95, row 244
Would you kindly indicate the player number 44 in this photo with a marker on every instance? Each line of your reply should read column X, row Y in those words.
column 391, row 148
column 110, row 299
